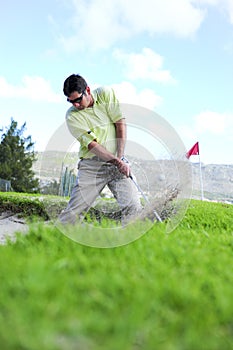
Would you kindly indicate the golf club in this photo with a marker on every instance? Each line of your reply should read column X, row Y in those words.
column 146, row 199
column 141, row 191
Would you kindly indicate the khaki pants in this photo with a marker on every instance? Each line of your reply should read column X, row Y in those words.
column 93, row 176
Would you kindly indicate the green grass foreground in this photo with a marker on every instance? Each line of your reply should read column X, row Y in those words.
column 165, row 292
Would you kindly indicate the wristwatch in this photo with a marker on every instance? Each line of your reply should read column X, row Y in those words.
column 124, row 159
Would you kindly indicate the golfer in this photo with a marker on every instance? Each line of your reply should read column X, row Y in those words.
column 96, row 121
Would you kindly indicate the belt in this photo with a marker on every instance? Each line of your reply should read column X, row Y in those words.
column 93, row 158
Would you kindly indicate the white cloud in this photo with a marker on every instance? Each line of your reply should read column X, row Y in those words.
column 222, row 5
column 207, row 2
column 98, row 24
column 230, row 9
column 127, row 93
column 209, row 123
column 214, row 123
column 33, row 88
column 214, row 133
column 144, row 65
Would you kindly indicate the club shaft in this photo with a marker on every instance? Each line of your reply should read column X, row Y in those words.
column 145, row 198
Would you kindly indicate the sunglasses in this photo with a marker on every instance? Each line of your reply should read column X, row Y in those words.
column 78, row 99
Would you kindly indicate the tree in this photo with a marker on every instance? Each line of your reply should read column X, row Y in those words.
column 16, row 159
column 50, row 188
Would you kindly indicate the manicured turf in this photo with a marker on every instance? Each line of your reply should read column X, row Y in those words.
column 165, row 292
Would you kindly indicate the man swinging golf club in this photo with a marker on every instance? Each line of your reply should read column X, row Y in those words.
column 96, row 121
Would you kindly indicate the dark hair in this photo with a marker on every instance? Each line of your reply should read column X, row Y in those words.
column 74, row 83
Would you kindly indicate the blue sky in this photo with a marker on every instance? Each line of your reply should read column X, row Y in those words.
column 172, row 57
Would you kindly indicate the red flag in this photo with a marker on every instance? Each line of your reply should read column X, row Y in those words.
column 193, row 151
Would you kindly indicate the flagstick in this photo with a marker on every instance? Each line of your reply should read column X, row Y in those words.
column 201, row 181
column 193, row 152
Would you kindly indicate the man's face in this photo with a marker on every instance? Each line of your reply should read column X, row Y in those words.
column 80, row 100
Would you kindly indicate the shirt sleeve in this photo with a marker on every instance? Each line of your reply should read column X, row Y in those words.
column 108, row 97
column 79, row 129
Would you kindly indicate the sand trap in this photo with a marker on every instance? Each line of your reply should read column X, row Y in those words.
column 9, row 225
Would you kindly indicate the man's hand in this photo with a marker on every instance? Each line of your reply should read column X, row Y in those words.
column 123, row 167
column 122, row 164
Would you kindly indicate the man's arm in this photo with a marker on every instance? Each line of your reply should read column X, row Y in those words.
column 107, row 156
column 120, row 137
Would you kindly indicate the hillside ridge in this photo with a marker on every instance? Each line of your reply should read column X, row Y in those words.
column 217, row 178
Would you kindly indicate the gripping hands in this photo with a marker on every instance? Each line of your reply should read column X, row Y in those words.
column 123, row 166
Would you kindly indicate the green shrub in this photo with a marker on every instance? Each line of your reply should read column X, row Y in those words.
column 28, row 205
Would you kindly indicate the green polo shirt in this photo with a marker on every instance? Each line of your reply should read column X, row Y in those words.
column 96, row 122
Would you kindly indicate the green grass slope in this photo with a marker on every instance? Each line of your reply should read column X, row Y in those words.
column 165, row 292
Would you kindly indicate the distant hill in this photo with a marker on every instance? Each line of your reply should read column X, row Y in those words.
column 156, row 175
column 217, row 181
